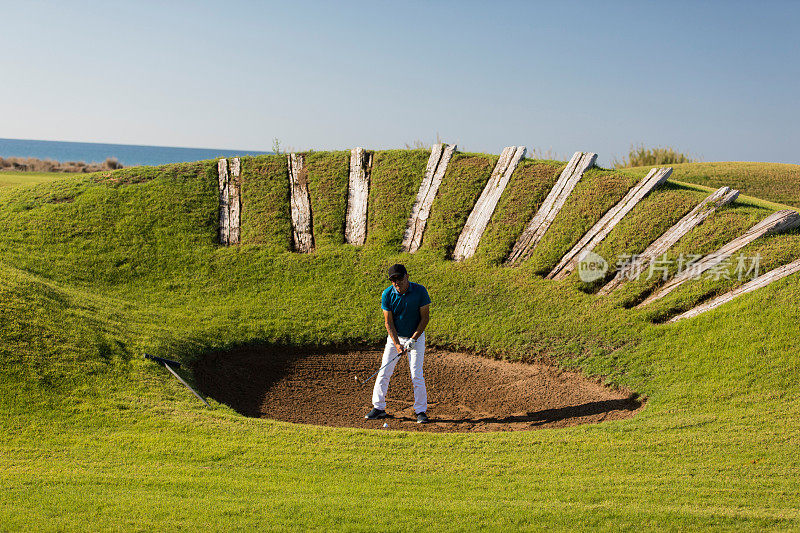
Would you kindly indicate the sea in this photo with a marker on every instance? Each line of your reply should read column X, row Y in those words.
column 128, row 155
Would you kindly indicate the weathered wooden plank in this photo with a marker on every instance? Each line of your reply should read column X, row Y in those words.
column 224, row 209
column 603, row 227
column 413, row 230
column 760, row 281
column 234, row 200
column 776, row 222
column 479, row 217
column 355, row 231
column 434, row 173
column 302, row 235
column 719, row 198
column 541, row 221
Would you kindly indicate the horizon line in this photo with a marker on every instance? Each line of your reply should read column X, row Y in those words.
column 140, row 145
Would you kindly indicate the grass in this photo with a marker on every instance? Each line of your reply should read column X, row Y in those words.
column 640, row 156
column 266, row 216
column 96, row 270
column 596, row 193
column 394, row 181
column 9, row 178
column 652, row 216
column 768, row 181
column 764, row 254
column 524, row 194
column 328, row 180
column 462, row 183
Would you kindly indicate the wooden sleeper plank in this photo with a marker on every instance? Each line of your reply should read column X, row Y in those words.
column 604, row 226
column 302, row 235
column 479, row 217
column 357, row 196
column 234, row 187
column 757, row 283
column 434, row 173
column 224, row 210
column 776, row 222
column 541, row 221
column 717, row 199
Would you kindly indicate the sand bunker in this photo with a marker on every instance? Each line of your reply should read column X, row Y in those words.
column 465, row 392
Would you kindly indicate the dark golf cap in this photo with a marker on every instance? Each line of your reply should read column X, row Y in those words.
column 397, row 270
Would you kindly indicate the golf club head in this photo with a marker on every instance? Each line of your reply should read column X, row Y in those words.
column 174, row 364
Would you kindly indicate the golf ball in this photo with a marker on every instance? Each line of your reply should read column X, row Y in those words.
column 386, row 424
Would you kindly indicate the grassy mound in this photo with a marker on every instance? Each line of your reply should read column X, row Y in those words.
column 9, row 177
column 776, row 182
column 96, row 270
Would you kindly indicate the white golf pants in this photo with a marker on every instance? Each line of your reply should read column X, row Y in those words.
column 416, row 357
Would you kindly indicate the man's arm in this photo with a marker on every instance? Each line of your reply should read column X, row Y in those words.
column 388, row 320
column 424, row 317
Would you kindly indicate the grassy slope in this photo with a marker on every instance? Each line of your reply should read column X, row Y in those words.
column 328, row 180
column 93, row 436
column 9, row 178
column 770, row 181
column 266, row 216
column 461, row 187
column 395, row 179
column 596, row 193
column 524, row 194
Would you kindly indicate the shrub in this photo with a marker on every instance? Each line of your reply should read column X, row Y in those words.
column 32, row 164
column 640, row 156
column 112, row 163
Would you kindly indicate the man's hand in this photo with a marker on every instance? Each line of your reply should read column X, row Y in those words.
column 409, row 344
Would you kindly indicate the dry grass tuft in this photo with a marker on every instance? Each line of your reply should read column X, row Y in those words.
column 640, row 156
column 32, row 164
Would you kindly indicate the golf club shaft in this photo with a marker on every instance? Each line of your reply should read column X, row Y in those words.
column 384, row 366
column 186, row 384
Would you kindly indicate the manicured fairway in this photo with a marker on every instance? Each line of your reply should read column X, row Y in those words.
column 769, row 181
column 8, row 178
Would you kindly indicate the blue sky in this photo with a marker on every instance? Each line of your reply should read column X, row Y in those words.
column 719, row 80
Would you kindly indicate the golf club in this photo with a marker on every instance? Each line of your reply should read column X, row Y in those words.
column 168, row 364
column 362, row 383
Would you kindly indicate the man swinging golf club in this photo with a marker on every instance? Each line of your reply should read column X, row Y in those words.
column 406, row 308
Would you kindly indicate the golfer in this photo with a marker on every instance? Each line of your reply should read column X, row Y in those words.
column 406, row 309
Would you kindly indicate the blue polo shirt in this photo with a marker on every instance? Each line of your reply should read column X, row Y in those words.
column 405, row 307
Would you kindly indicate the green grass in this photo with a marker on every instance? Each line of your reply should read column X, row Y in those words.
column 596, row 193
column 96, row 270
column 768, row 181
column 462, row 183
column 9, row 178
column 328, row 180
column 394, row 181
column 646, row 222
column 524, row 194
column 266, row 216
